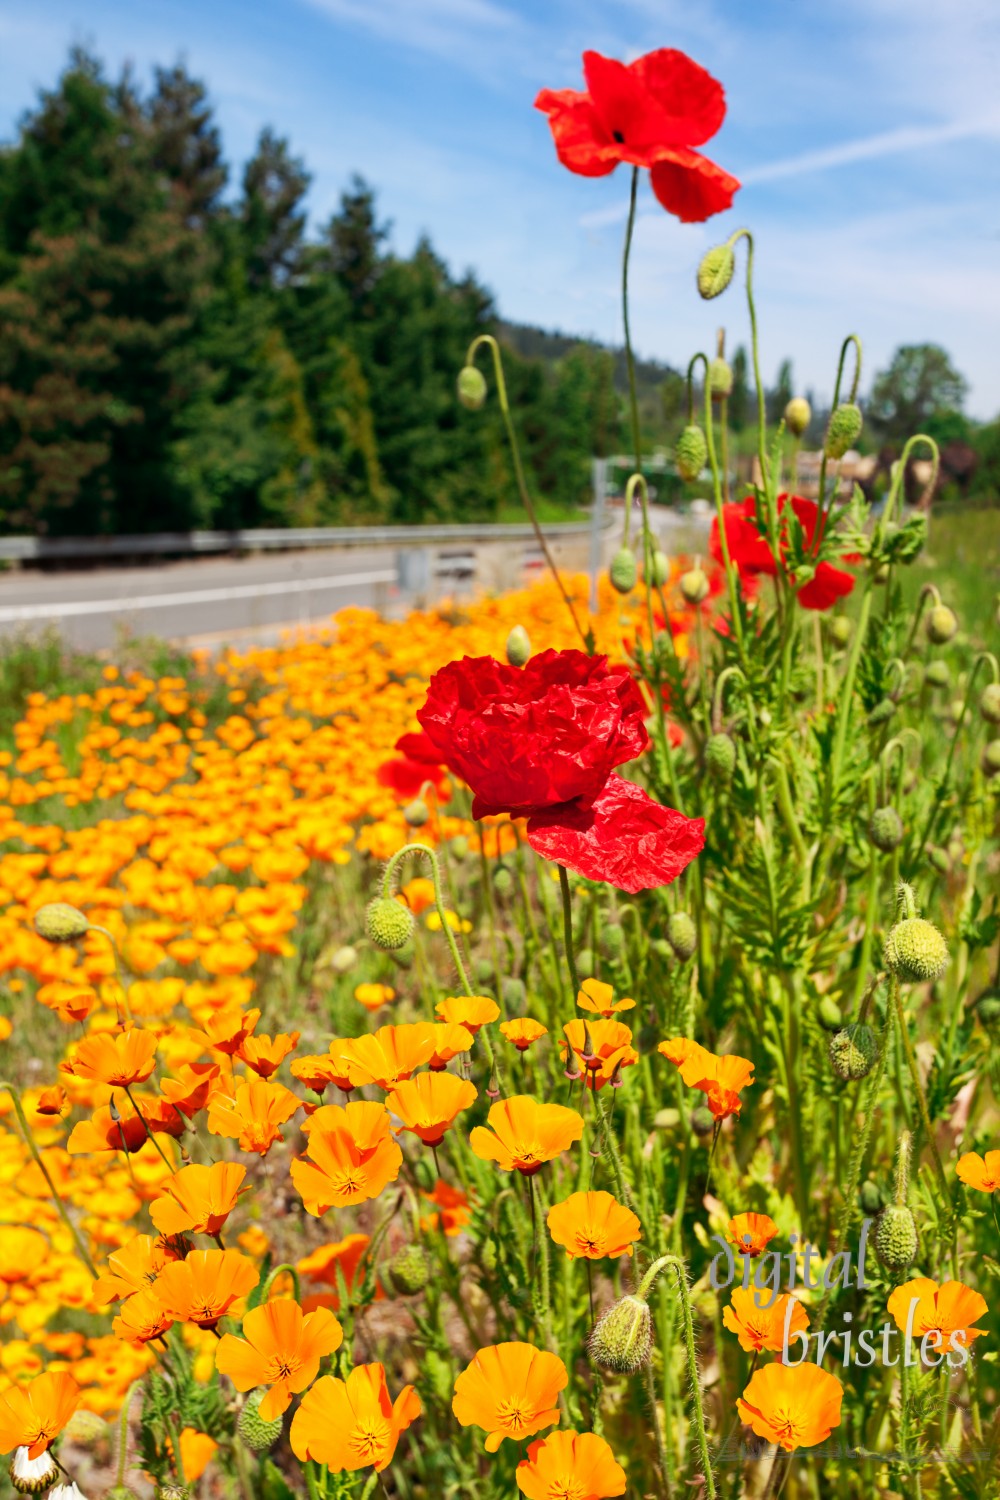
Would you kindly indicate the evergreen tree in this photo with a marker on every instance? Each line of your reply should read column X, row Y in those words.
column 271, row 212
column 739, row 397
column 186, row 146
column 354, row 241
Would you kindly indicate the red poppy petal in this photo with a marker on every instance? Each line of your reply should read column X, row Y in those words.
column 685, row 92
column 582, row 143
column 691, row 187
column 625, row 838
column 829, row 585
column 419, row 746
column 641, row 130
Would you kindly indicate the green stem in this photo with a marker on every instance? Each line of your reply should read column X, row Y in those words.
column 429, row 854
column 61, row 1209
column 629, row 357
column 694, row 1376
column 123, row 1432
column 567, row 908
column 918, row 1088
column 118, row 971
column 285, row 1266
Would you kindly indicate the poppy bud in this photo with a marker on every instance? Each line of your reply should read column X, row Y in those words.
column 694, row 585
column 344, row 959
column 623, row 571
column 843, row 430
column 988, row 1008
column 621, row 1339
column 85, row 1427
column 991, row 759
column 416, row 812
column 471, row 387
column 518, row 646
column 720, row 757
column 798, row 415
column 896, row 1238
column 941, row 624
column 702, row 1121
column 503, row 881
column 716, row 271
column 30, row 1476
column 408, row 1271
column 254, row 1432
column 720, row 379
column 682, row 935
column 691, row 453
column 612, row 939
column 915, row 950
column 938, row 859
column 173, row 1492
column 882, row 712
column 886, row 829
column 938, row 675
column 585, row 965
column 852, row 1051
column 870, row 1197
column 120, row 1492
column 388, row 923
column 513, row 992
column 659, row 570
column 58, row 922
column 989, row 703
column 839, row 627
column 459, row 846
column 483, row 970
column 829, row 1013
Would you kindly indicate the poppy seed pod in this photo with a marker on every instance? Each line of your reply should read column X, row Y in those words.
column 843, row 430
column 518, row 646
column 459, row 846
column 839, row 627
column 941, row 624
column 682, row 935
column 416, row 812
column 408, row 1271
column 915, row 951
column 886, row 829
column 720, row 379
column 621, row 1339
column 938, row 675
column 716, row 271
column 659, row 570
column 30, row 1476
column 852, row 1051
column 471, row 387
column 989, row 703
column 58, row 922
column 388, row 923
column 694, row 585
column 991, row 759
column 624, row 571
column 896, row 1238
column 702, row 1121
column 830, row 1017
column 720, row 757
column 691, row 453
column 254, row 1432
column 798, row 415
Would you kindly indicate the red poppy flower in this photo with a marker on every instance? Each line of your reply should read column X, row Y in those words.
column 751, row 553
column 648, row 113
column 624, row 838
column 418, row 761
column 532, row 737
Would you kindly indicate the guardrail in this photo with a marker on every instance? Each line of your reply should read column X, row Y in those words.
column 271, row 539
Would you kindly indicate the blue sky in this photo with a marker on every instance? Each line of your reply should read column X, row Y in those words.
column 866, row 132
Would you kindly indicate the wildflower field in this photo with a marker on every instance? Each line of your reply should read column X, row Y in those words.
column 518, row 1049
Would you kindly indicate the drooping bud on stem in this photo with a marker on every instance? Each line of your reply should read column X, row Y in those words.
column 58, row 922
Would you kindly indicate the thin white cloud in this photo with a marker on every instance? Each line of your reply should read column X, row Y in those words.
column 885, row 143
column 463, row 31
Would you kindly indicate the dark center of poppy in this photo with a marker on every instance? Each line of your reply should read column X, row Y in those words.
column 616, row 135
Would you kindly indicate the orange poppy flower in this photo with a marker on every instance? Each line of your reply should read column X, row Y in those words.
column 229, row 1029
column 51, row 1101
column 417, row 894
column 392, row 1053
column 141, row 1317
column 265, row 1054
column 121, row 1059
column 349, row 1424
column 751, row 1233
column 759, row 1327
column 197, row 1452
column 511, row 1391
column 600, row 1047
column 522, row 1032
column 203, row 1287
column 281, row 1348
column 795, row 1406
column 253, row 1115
column 470, row 1011
column 198, row 1199
column 523, row 1134
column 316, row 1071
column 455, row 1211
column 720, row 1078
column 592, row 1225
column 980, row 1172
column 600, row 1000
column 132, row 1269
column 22, row 1252
column 351, row 1156
column 450, row 1040
column 373, row 995
column 949, row 1308
column 34, row 1416
column 192, row 1087
column 70, row 1002
column 570, row 1466
column 117, row 1127
column 429, row 1104
column 334, row 1265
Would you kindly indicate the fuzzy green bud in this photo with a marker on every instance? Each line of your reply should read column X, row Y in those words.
column 503, row 881
column 843, row 430
column 720, row 379
column 471, row 387
column 623, row 571
column 513, row 992
column 659, row 570
column 254, row 1432
column 886, row 829
column 988, row 1008
column 682, row 935
column 416, row 813
column 58, row 922
column 388, row 923
column 989, row 703
column 518, row 646
column 798, row 415
column 990, row 761
column 702, row 1121
column 585, row 965
column 344, row 959
column 895, row 1237
column 882, row 712
column 84, row 1428
column 938, row 674
column 408, row 1271
column 716, row 271
column 694, row 585
column 941, row 624
column 459, row 847
column 612, row 939
column 852, row 1051
column 621, row 1339
column 839, row 627
column 830, row 1017
column 691, row 453
column 720, row 757
column 870, row 1197
column 171, row 1491
column 915, row 951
